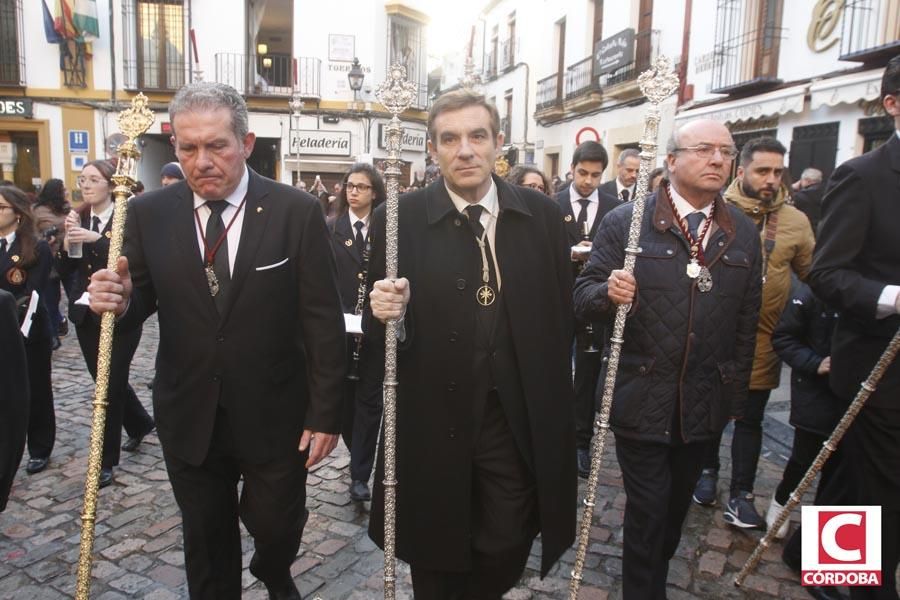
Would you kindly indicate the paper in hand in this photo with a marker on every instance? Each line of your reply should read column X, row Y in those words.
column 32, row 308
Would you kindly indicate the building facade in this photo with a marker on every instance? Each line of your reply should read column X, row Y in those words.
column 291, row 60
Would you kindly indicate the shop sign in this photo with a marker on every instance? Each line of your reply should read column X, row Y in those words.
column 16, row 107
column 614, row 52
column 412, row 139
column 320, row 142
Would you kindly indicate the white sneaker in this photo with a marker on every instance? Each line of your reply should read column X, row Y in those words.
column 772, row 514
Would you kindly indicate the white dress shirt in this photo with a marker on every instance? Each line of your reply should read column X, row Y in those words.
column 593, row 204
column 685, row 208
column 365, row 222
column 620, row 187
column 104, row 217
column 234, row 233
column 488, row 219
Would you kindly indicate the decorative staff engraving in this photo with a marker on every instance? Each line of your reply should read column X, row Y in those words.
column 657, row 84
column 396, row 94
column 133, row 122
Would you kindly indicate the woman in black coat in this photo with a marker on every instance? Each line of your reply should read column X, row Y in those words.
column 362, row 190
column 25, row 263
column 92, row 228
column 14, row 400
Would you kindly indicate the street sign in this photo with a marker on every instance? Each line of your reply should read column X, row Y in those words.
column 78, row 140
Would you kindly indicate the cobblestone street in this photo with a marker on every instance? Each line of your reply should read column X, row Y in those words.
column 138, row 550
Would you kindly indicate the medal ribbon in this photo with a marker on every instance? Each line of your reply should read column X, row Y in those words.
column 695, row 244
column 210, row 255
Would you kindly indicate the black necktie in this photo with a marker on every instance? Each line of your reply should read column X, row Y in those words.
column 694, row 220
column 625, row 195
column 95, row 224
column 583, row 213
column 215, row 227
column 2, row 247
column 360, row 241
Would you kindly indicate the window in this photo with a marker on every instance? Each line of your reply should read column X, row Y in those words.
column 407, row 47
column 154, row 44
column 748, row 35
column 12, row 58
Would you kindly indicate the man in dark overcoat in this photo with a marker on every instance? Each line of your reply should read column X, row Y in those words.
column 251, row 343
column 856, row 269
column 485, row 435
column 14, row 402
column 689, row 339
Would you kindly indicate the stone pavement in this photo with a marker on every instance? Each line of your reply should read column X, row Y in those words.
column 138, row 551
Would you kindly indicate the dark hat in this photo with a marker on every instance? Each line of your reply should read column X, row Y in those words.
column 172, row 169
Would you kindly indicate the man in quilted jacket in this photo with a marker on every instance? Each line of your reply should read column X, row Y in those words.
column 688, row 344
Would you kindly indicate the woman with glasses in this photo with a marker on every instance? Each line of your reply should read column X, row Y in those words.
column 50, row 212
column 529, row 176
column 25, row 262
column 362, row 191
column 91, row 226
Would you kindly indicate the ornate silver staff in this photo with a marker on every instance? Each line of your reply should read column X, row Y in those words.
column 132, row 122
column 395, row 94
column 657, row 84
column 828, row 447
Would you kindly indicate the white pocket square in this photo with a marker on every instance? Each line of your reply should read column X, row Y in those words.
column 272, row 266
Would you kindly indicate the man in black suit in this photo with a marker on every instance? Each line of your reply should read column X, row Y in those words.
column 583, row 206
column 14, row 401
column 624, row 185
column 251, row 343
column 856, row 269
column 485, row 439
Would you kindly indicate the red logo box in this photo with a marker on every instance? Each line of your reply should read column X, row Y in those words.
column 841, row 545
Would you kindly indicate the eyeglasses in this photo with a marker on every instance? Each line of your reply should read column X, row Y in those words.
column 82, row 181
column 708, row 151
column 535, row 186
column 359, row 187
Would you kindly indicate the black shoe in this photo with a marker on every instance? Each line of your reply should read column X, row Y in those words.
column 705, row 490
column 106, row 477
column 132, row 443
column 359, row 491
column 584, row 462
column 824, row 592
column 63, row 328
column 55, row 344
column 740, row 512
column 284, row 589
column 36, row 465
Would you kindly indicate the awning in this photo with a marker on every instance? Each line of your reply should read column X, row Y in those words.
column 845, row 89
column 322, row 165
column 779, row 102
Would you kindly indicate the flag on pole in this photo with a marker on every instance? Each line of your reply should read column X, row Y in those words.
column 84, row 18
column 50, row 32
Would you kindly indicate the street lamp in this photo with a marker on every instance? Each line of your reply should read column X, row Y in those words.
column 355, row 77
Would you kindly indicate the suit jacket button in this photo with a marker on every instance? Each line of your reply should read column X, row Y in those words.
column 215, row 378
column 457, row 222
column 460, row 284
column 453, row 336
column 451, row 387
column 220, row 338
column 451, row 433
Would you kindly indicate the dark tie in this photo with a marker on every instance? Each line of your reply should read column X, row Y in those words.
column 215, row 227
column 583, row 213
column 95, row 224
column 694, row 220
column 625, row 195
column 360, row 241
column 2, row 248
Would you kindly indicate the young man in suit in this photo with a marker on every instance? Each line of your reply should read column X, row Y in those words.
column 625, row 183
column 485, row 439
column 251, row 344
column 856, row 269
column 583, row 206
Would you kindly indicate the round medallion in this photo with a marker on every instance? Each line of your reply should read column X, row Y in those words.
column 15, row 258
column 568, row 218
column 16, row 276
column 485, row 295
column 348, row 243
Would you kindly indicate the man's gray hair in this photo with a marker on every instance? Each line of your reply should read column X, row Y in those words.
column 209, row 96
column 811, row 174
column 627, row 153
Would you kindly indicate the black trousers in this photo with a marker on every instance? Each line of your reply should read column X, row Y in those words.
column 873, row 448
column 368, row 406
column 41, row 415
column 271, row 505
column 504, row 519
column 124, row 408
column 659, row 480
column 587, row 372
column 745, row 445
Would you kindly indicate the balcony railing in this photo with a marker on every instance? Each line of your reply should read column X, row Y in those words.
column 580, row 78
column 646, row 48
column 548, row 92
column 508, row 54
column 871, row 30
column 749, row 59
column 271, row 75
column 12, row 56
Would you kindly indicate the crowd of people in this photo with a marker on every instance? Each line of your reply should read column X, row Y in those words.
column 504, row 305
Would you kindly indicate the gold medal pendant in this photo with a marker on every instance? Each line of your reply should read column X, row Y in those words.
column 693, row 269
column 704, row 280
column 485, row 295
column 212, row 281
